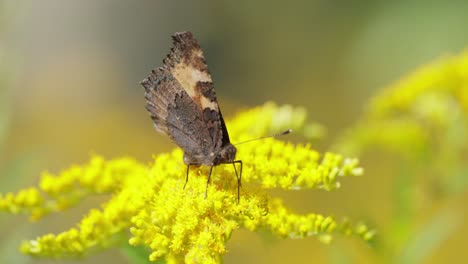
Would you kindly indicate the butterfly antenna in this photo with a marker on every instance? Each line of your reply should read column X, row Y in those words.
column 271, row 136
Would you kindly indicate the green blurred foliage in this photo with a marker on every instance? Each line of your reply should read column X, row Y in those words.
column 69, row 73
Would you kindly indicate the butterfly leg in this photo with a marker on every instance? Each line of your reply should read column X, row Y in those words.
column 208, row 181
column 186, row 177
column 239, row 177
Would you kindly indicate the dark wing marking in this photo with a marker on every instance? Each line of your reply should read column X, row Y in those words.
column 160, row 90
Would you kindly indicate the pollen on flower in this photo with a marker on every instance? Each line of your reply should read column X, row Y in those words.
column 180, row 225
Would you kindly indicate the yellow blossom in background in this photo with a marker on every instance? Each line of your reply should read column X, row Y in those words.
column 425, row 112
column 275, row 119
column 447, row 77
column 422, row 118
column 180, row 225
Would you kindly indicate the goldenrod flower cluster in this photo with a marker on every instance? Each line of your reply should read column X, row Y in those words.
column 422, row 118
column 181, row 225
column 427, row 88
column 421, row 113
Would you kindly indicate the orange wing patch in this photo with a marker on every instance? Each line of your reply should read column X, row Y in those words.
column 189, row 77
column 188, row 66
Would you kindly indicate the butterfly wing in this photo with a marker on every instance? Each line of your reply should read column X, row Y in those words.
column 181, row 100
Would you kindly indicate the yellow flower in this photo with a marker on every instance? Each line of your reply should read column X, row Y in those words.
column 447, row 77
column 424, row 112
column 181, row 225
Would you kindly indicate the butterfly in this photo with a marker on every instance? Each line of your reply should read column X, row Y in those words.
column 181, row 100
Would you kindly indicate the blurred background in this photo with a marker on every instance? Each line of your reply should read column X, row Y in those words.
column 69, row 87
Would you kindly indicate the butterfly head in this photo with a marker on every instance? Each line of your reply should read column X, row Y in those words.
column 226, row 155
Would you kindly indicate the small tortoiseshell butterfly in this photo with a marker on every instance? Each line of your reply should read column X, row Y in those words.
column 181, row 100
